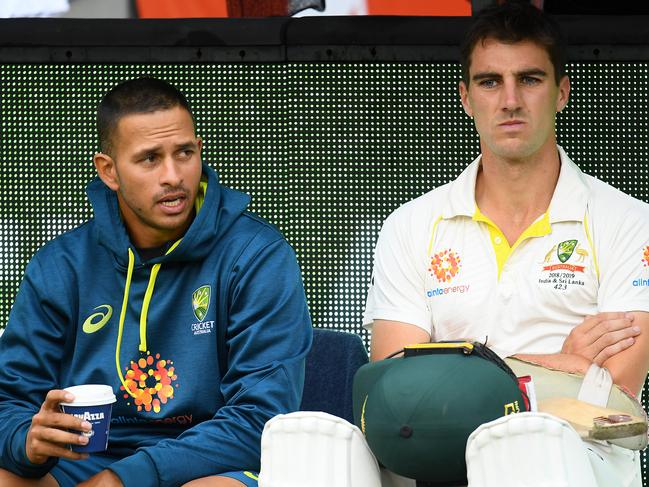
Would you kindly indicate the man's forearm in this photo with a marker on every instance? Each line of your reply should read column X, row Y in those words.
column 565, row 362
column 618, row 341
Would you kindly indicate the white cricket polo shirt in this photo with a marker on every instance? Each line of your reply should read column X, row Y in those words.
column 443, row 266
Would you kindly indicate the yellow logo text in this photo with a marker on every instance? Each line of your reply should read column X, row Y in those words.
column 512, row 408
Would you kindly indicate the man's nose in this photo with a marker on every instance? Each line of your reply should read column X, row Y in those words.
column 511, row 97
column 170, row 174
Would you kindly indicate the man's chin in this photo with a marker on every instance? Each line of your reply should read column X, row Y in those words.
column 512, row 150
column 174, row 224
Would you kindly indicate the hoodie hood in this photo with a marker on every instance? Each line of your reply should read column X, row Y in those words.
column 220, row 208
column 217, row 208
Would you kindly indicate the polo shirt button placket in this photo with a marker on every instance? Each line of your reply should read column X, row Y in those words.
column 505, row 287
column 506, row 291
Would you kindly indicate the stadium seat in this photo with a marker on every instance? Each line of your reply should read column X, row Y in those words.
column 334, row 358
column 318, row 446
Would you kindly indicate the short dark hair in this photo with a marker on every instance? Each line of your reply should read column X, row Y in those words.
column 139, row 95
column 510, row 23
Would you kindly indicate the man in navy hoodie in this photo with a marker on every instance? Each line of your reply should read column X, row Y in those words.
column 191, row 308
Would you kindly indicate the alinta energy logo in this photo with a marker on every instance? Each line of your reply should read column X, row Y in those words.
column 445, row 265
column 149, row 382
column 641, row 282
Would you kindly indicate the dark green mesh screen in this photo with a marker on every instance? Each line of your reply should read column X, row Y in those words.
column 326, row 150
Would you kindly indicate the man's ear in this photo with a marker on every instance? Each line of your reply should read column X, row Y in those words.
column 105, row 166
column 199, row 142
column 464, row 98
column 564, row 93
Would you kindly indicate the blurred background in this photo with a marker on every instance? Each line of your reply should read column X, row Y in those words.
column 262, row 8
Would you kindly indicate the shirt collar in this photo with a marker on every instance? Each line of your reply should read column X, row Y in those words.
column 461, row 194
column 570, row 196
column 568, row 201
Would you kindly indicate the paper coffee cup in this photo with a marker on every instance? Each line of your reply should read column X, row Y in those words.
column 92, row 403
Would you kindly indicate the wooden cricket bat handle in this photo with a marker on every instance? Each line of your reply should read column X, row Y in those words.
column 594, row 422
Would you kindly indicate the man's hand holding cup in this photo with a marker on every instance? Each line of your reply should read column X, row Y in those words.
column 70, row 423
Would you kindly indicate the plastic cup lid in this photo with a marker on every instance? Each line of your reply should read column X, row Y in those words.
column 90, row 395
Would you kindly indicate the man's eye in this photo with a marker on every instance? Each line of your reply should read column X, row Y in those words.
column 488, row 83
column 184, row 154
column 529, row 80
column 149, row 158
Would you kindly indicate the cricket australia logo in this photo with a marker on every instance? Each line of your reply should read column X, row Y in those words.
column 201, row 302
column 565, row 250
column 200, row 306
column 562, row 275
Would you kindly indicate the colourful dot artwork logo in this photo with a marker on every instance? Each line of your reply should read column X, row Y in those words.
column 645, row 257
column 149, row 382
column 445, row 265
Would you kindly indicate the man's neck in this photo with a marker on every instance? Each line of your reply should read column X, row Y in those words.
column 513, row 194
column 148, row 253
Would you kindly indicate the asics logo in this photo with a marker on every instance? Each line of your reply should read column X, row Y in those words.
column 91, row 325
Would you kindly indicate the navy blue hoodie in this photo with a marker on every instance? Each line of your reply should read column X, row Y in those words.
column 201, row 346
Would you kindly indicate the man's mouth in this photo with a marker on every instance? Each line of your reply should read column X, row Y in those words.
column 512, row 122
column 172, row 203
column 510, row 126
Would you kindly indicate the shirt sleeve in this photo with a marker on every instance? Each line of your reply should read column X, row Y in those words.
column 397, row 290
column 624, row 261
column 30, row 348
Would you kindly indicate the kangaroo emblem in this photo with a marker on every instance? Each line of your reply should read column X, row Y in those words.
column 581, row 253
column 548, row 256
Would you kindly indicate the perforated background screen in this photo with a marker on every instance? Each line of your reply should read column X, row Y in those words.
column 326, row 150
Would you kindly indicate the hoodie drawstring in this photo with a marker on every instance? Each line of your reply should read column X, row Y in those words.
column 147, row 299
column 143, row 314
column 122, row 316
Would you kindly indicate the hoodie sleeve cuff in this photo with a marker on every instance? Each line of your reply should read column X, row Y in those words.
column 21, row 464
column 137, row 470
